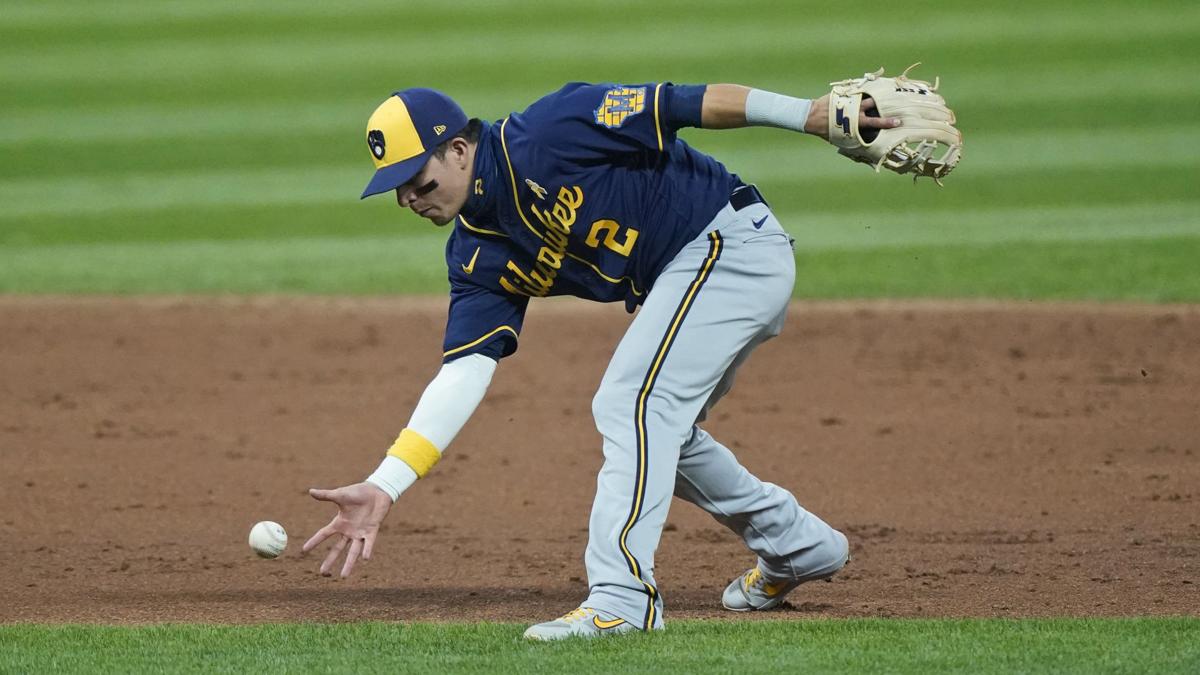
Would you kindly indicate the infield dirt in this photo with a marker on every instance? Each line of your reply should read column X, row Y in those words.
column 985, row 459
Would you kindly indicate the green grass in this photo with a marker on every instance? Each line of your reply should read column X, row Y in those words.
column 216, row 146
column 1156, row 270
column 850, row 646
column 1152, row 270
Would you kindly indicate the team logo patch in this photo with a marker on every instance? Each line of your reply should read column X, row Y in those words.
column 619, row 105
column 377, row 144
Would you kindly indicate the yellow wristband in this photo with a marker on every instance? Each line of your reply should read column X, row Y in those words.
column 416, row 451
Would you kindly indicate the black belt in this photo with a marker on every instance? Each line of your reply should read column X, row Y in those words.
column 745, row 195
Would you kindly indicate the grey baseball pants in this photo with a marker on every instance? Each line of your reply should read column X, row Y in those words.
column 724, row 294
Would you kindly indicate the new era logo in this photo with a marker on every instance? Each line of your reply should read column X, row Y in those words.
column 439, row 129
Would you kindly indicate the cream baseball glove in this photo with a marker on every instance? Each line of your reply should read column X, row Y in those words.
column 925, row 144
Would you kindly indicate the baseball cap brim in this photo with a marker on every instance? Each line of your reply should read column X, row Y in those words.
column 391, row 177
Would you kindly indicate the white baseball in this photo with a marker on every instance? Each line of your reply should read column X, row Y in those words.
column 268, row 539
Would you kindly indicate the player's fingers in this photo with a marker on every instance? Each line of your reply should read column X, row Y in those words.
column 320, row 494
column 879, row 122
column 874, row 121
column 352, row 557
column 368, row 546
column 331, row 557
column 315, row 540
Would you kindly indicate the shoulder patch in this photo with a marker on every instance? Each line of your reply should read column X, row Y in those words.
column 619, row 104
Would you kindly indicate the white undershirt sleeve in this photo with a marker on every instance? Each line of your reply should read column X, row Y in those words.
column 448, row 402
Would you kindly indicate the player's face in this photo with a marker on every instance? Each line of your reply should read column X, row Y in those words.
column 439, row 190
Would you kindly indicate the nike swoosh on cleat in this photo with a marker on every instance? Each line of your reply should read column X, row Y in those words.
column 759, row 223
column 470, row 267
column 602, row 625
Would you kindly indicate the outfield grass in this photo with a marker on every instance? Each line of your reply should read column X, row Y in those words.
column 850, row 646
column 216, row 146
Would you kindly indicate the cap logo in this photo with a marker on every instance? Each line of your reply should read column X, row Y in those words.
column 439, row 129
column 376, row 142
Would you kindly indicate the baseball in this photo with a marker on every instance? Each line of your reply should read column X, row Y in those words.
column 268, row 539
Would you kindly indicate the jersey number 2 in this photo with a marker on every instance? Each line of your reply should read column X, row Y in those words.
column 609, row 228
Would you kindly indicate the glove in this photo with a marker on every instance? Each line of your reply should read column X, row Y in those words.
column 926, row 125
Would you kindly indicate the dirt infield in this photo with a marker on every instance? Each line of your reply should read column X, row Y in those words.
column 984, row 459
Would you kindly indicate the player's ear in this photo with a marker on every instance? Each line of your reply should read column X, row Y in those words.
column 458, row 150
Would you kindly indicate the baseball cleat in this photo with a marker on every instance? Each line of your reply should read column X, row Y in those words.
column 754, row 592
column 583, row 622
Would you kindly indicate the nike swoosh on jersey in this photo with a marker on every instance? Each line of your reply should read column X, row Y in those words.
column 603, row 625
column 470, row 267
column 759, row 223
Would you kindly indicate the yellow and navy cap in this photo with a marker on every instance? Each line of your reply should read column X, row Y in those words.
column 404, row 131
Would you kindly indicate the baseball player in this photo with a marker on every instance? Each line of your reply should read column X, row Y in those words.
column 589, row 192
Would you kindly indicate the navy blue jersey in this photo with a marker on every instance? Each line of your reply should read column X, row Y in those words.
column 587, row 193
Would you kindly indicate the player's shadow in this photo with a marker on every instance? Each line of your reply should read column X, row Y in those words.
column 407, row 603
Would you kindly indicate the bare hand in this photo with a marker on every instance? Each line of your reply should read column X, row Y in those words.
column 361, row 509
column 818, row 118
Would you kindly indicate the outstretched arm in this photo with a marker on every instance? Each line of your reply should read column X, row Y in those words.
column 732, row 106
column 448, row 402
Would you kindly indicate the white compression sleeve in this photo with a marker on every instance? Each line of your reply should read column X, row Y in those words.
column 766, row 109
column 451, row 398
column 448, row 402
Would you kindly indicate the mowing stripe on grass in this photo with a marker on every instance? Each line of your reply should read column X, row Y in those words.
column 35, row 167
column 815, row 177
column 815, row 231
column 1129, row 269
